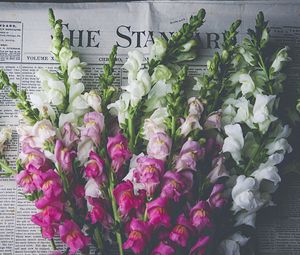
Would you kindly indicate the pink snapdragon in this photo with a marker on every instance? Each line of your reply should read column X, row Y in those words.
column 138, row 237
column 213, row 121
column 25, row 179
column 200, row 248
column 149, row 172
column 50, row 184
column 218, row 169
column 200, row 215
column 71, row 234
column 118, row 151
column 175, row 184
column 33, row 156
column 159, row 146
column 94, row 125
column 98, row 213
column 94, row 168
column 126, row 199
column 64, row 155
column 70, row 135
column 163, row 249
column 190, row 153
column 216, row 199
column 182, row 231
column 158, row 214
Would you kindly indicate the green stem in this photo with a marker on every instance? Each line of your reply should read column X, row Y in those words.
column 131, row 133
column 53, row 244
column 98, row 240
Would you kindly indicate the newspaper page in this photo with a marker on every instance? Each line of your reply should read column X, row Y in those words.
column 93, row 28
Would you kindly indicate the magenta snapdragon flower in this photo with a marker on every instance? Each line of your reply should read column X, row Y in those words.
column 200, row 248
column 139, row 236
column 126, row 199
column 163, row 249
column 200, row 215
column 33, row 156
column 216, row 198
column 190, row 153
column 25, row 179
column 157, row 211
column 98, row 213
column 94, row 168
column 159, row 146
column 64, row 155
column 117, row 148
column 51, row 184
column 182, row 231
column 175, row 184
column 149, row 172
column 71, row 234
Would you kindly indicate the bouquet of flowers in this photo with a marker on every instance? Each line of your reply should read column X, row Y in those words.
column 154, row 168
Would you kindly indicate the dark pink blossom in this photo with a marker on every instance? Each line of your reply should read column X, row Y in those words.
column 139, row 236
column 216, row 199
column 94, row 125
column 158, row 214
column 175, row 184
column 25, row 179
column 163, row 249
column 71, row 234
column 190, row 153
column 182, row 231
column 149, row 172
column 118, row 151
column 51, row 184
column 94, row 168
column 200, row 248
column 70, row 136
column 33, row 156
column 98, row 213
column 200, row 215
column 64, row 155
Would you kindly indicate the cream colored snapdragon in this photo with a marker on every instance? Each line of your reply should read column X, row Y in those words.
column 234, row 142
column 5, row 135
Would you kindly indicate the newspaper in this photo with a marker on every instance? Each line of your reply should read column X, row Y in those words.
column 93, row 28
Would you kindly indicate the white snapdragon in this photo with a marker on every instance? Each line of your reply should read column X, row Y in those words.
column 244, row 112
column 262, row 111
column 120, row 107
column 280, row 143
column 156, row 123
column 40, row 101
column 234, row 142
column 133, row 64
column 75, row 70
column 5, row 135
column 65, row 55
column 161, row 73
column 93, row 100
column 92, row 188
column 281, row 58
column 190, row 124
column 43, row 130
column 53, row 87
column 248, row 85
column 195, row 106
column 159, row 48
column 231, row 245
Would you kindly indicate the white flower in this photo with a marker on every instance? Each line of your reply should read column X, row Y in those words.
column 158, row 49
column 43, row 130
column 69, row 117
column 161, row 73
column 281, row 58
column 195, row 106
column 92, row 188
column 218, row 169
column 53, row 87
column 190, row 124
column 5, row 135
column 155, row 123
column 280, row 144
column 139, row 87
column 234, row 143
column 247, row 84
column 156, row 96
column 244, row 112
column 133, row 64
column 120, row 107
column 75, row 70
column 245, row 194
column 231, row 246
column 40, row 101
column 93, row 100
column 83, row 149
column 228, row 115
column 262, row 111
column 77, row 102
column 65, row 55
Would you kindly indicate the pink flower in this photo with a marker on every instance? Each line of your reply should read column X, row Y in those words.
column 139, row 236
column 94, row 124
column 64, row 156
column 195, row 107
column 69, row 135
column 213, row 121
column 126, row 199
column 190, row 153
column 79, row 193
column 95, row 168
column 216, row 200
column 158, row 214
column 98, row 213
column 51, row 184
column 149, row 172
column 118, row 151
column 218, row 169
column 200, row 248
column 25, row 179
column 71, row 234
column 33, row 157
column 175, row 184
column 182, row 231
column 163, row 249
column 200, row 215
column 159, row 146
